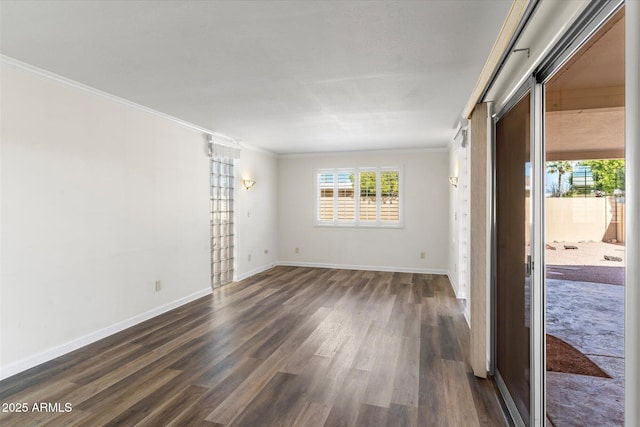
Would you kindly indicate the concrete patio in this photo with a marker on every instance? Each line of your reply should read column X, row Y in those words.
column 590, row 317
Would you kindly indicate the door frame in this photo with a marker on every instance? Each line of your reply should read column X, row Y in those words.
column 594, row 16
column 537, row 305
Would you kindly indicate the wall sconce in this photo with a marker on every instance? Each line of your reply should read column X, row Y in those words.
column 248, row 183
column 453, row 180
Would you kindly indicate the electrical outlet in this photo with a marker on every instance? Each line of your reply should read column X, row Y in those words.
column 158, row 285
column 249, row 257
column 423, row 255
column 297, row 250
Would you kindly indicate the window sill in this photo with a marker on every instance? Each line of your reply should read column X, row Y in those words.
column 365, row 226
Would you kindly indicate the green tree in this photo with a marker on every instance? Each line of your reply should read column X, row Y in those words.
column 608, row 175
column 389, row 185
column 560, row 168
column 368, row 185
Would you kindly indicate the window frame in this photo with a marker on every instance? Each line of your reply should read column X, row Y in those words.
column 356, row 221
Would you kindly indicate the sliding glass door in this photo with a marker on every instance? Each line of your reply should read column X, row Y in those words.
column 559, row 232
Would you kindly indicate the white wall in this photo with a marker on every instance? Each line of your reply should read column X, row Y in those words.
column 463, row 222
column 426, row 217
column 454, row 229
column 459, row 220
column 99, row 200
column 257, row 213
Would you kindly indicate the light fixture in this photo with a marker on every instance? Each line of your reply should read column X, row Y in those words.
column 248, row 183
column 453, row 180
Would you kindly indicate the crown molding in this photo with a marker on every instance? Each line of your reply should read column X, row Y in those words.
column 22, row 66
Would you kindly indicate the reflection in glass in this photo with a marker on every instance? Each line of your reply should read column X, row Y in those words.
column 513, row 267
column 585, row 247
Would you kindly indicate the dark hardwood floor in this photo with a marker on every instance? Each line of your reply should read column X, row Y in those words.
column 288, row 347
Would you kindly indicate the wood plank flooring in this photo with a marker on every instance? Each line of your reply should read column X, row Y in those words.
column 288, row 347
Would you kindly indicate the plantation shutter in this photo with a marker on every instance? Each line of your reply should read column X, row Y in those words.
column 345, row 200
column 389, row 196
column 325, row 196
column 368, row 196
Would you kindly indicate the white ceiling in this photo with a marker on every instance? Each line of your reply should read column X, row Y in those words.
column 286, row 76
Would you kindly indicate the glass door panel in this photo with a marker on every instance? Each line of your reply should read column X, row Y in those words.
column 513, row 253
column 585, row 239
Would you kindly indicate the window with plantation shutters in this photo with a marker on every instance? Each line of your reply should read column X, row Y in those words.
column 367, row 197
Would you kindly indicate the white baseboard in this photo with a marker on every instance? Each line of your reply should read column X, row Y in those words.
column 454, row 285
column 456, row 289
column 456, row 292
column 253, row 272
column 363, row 267
column 467, row 315
column 50, row 354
